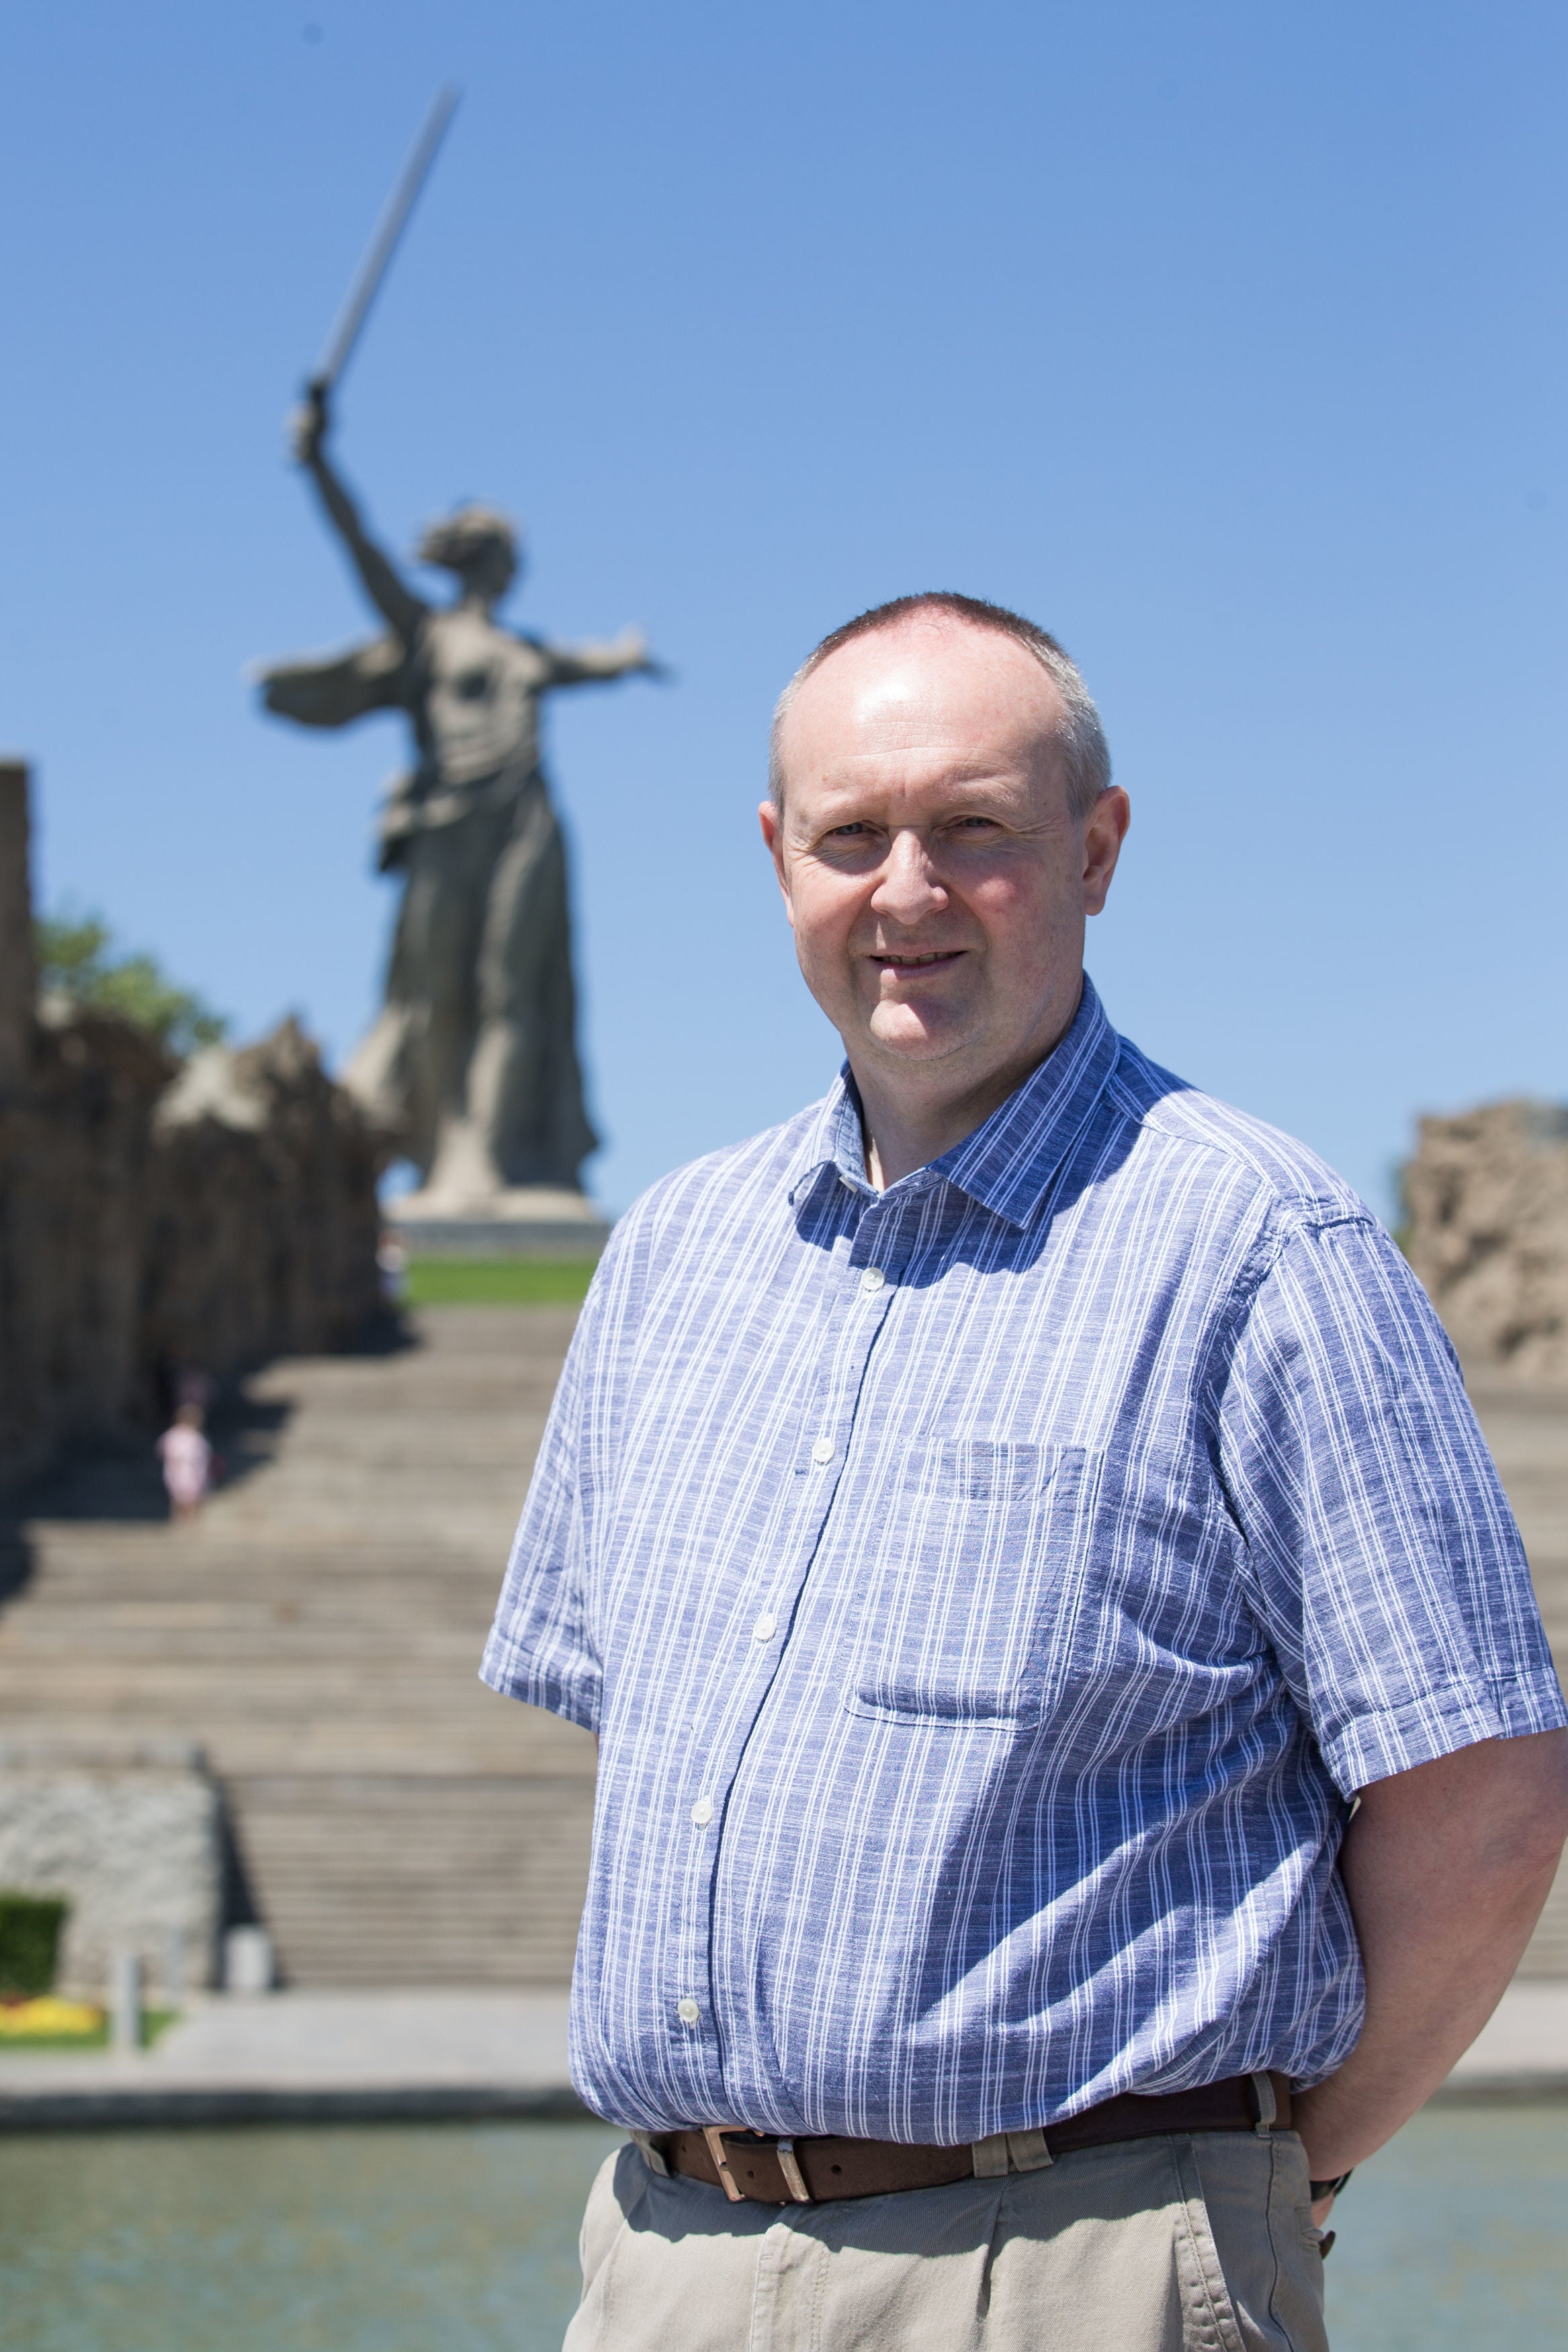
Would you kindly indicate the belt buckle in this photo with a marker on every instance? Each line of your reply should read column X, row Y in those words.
column 714, row 2134
column 784, row 2150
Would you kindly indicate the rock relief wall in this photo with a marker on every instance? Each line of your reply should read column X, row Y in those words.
column 155, row 1218
column 1487, row 1231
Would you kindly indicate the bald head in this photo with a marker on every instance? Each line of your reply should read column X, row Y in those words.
column 927, row 693
column 1080, row 741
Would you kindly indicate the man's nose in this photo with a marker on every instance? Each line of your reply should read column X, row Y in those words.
column 908, row 887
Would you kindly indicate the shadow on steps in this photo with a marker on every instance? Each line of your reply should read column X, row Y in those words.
column 120, row 1478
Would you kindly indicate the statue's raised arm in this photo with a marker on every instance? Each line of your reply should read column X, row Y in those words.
column 382, row 582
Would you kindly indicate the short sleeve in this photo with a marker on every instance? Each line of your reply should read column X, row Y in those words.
column 1387, row 1565
column 539, row 1648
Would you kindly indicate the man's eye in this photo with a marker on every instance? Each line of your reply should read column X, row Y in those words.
column 979, row 823
column 856, row 832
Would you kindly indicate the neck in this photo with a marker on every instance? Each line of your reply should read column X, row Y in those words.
column 907, row 1126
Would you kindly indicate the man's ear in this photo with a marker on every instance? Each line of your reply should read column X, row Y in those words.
column 773, row 834
column 1102, row 837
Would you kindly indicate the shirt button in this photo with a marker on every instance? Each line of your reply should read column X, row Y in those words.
column 872, row 1278
column 823, row 1450
column 702, row 1811
column 688, row 2010
column 764, row 1629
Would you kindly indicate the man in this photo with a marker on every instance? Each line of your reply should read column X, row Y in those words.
column 996, row 1525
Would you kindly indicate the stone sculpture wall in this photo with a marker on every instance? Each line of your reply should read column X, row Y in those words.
column 262, row 1224
column 132, row 1836
column 1487, row 1231
column 153, row 1218
column 75, row 1140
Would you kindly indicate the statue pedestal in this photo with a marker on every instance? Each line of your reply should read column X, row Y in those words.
column 528, row 1221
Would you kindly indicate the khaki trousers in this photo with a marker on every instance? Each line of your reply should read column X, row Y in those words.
column 1198, row 2243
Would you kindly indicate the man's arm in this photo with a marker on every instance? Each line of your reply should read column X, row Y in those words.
column 1447, row 1868
column 388, row 593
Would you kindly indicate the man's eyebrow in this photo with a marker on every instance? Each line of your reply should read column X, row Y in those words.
column 975, row 780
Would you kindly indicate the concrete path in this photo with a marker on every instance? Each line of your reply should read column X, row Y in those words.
column 315, row 2057
column 1524, row 2051
column 311, row 2056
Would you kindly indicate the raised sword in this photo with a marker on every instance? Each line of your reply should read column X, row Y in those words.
column 383, row 243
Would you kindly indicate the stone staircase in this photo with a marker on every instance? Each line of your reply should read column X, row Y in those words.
column 317, row 1633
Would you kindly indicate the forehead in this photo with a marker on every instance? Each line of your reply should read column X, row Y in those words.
column 943, row 697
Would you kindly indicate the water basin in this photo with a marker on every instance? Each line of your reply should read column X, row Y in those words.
column 461, row 2237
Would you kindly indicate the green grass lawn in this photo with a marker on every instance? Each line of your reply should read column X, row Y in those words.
column 498, row 1282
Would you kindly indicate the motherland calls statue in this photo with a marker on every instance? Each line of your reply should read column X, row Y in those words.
column 472, row 1065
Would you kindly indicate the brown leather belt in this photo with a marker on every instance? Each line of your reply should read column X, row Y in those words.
column 766, row 2170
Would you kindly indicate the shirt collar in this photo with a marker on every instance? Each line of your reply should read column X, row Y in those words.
column 1008, row 1162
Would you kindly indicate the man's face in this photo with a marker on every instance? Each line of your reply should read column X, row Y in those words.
column 937, row 881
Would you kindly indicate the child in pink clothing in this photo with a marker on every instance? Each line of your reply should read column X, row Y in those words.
column 187, row 1460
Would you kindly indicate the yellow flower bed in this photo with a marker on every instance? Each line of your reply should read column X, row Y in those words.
column 47, row 2016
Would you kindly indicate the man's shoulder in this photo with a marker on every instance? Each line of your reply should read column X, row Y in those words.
column 1280, row 1177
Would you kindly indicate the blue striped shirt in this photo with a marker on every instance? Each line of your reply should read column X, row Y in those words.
column 988, row 1595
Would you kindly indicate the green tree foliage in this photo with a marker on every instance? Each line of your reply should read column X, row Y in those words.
column 76, row 961
column 29, row 1943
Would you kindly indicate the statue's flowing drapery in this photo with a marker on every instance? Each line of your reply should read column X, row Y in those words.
column 472, row 1063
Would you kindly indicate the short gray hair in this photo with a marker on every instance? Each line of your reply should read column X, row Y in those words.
column 1085, row 754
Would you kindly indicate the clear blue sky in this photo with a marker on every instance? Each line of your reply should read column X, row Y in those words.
column 1225, row 340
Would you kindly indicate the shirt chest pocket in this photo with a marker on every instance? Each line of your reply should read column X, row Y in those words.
column 976, row 1577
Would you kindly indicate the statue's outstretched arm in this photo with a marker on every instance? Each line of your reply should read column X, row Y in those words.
column 580, row 665
column 384, row 586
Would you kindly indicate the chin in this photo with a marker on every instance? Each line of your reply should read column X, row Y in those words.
column 913, row 1041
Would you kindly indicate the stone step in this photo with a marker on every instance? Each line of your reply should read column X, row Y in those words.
column 318, row 1634
column 393, row 1879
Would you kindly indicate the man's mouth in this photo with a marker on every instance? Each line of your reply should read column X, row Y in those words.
column 923, row 961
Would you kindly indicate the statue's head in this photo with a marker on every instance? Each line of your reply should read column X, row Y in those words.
column 478, row 545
